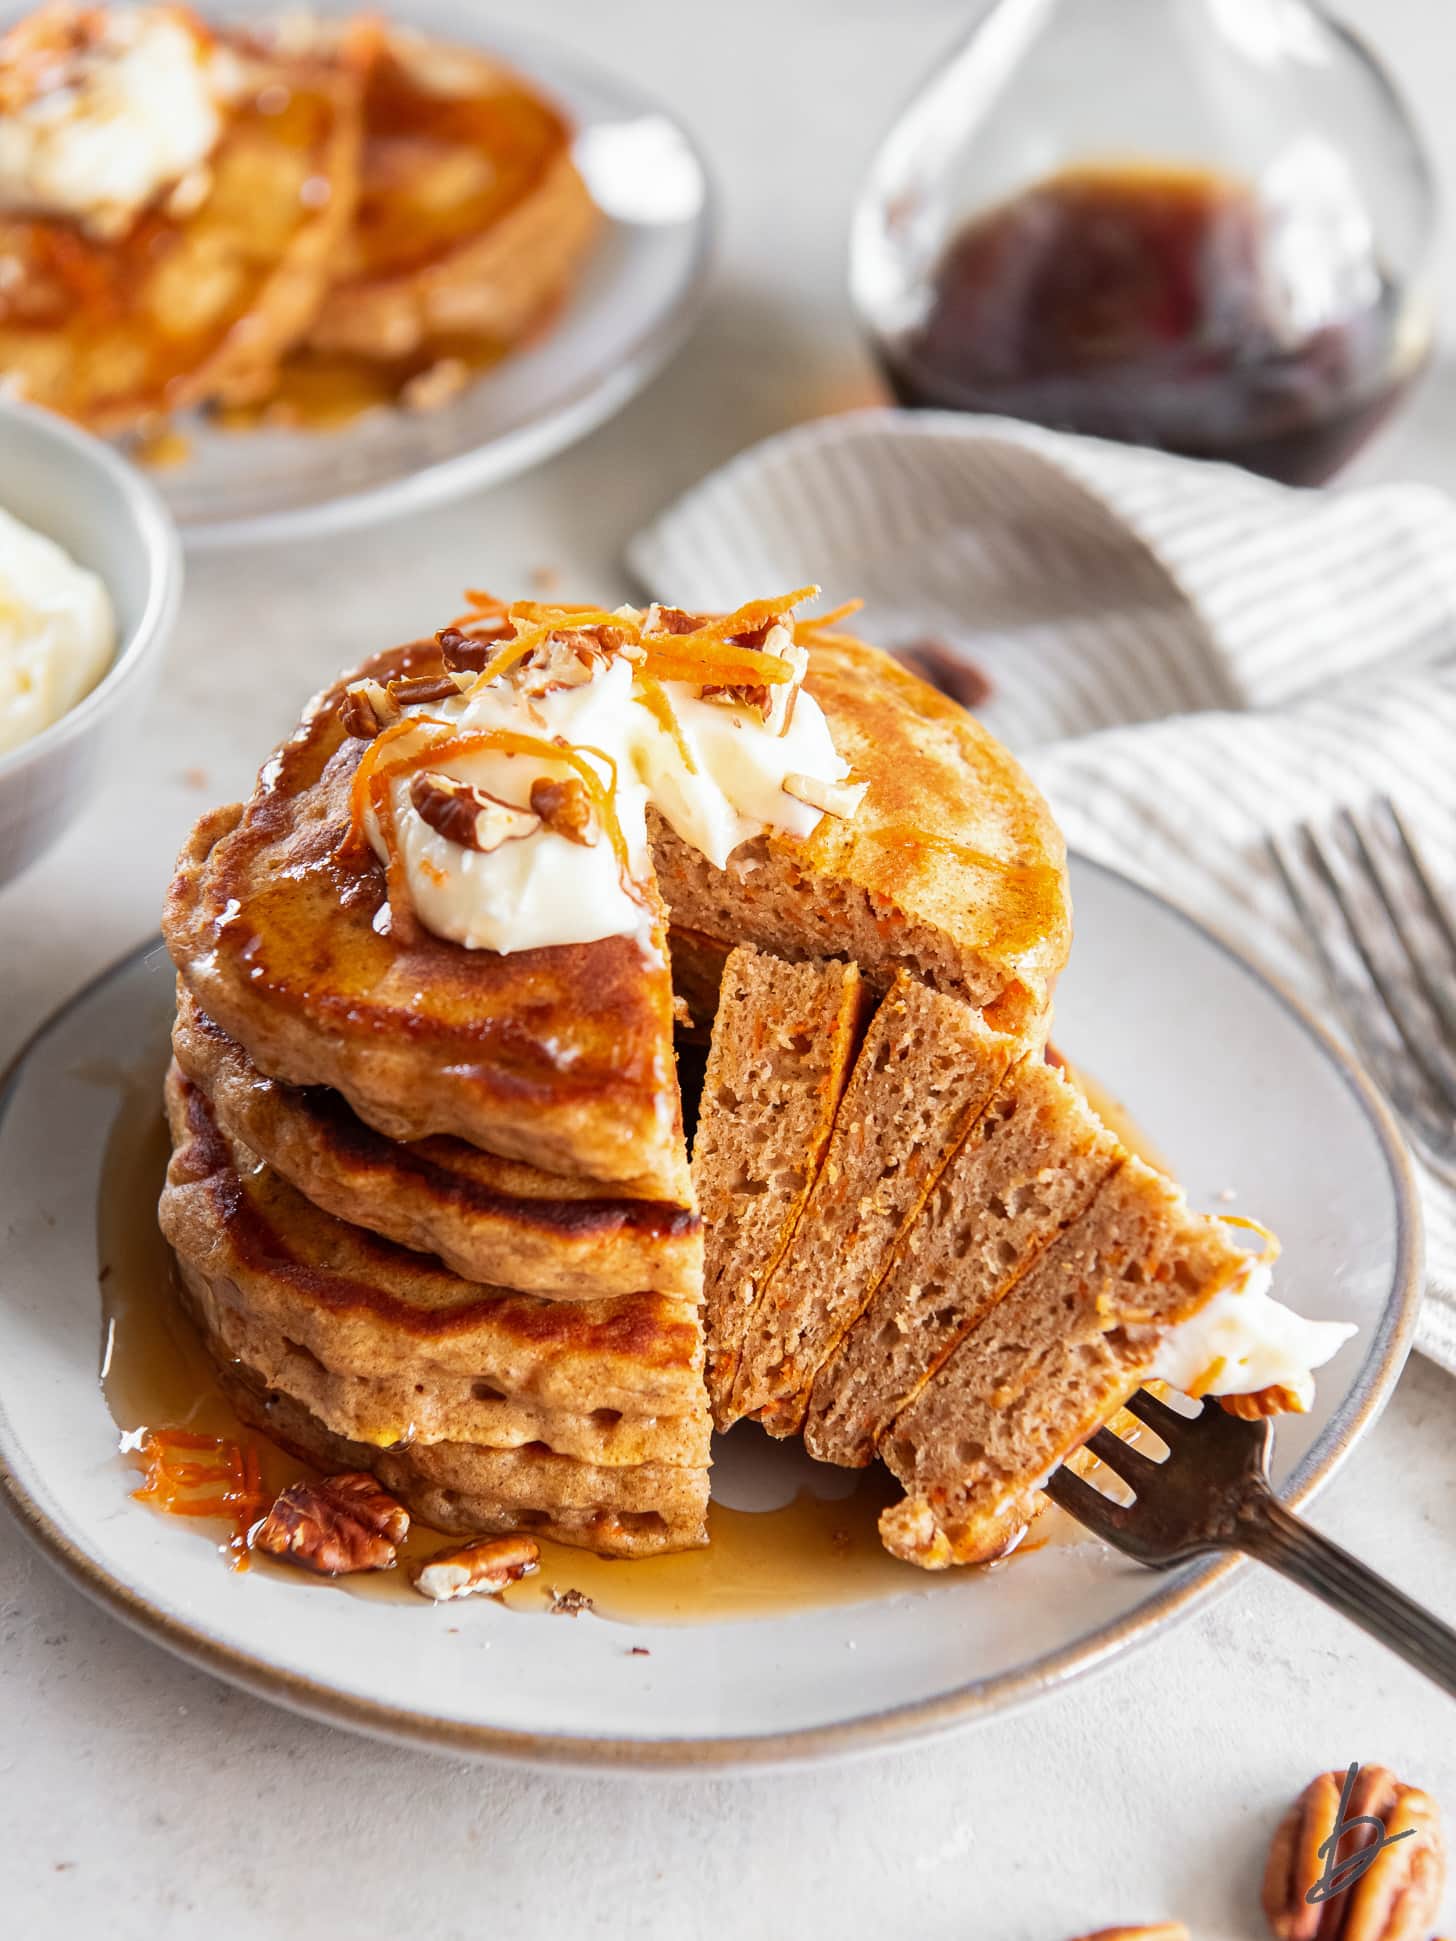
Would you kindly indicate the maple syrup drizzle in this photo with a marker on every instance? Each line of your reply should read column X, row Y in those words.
column 156, row 1374
column 812, row 1552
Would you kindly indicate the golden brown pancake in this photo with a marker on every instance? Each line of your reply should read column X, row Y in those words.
column 364, row 1306
column 470, row 216
column 560, row 1057
column 952, row 867
column 459, row 1488
column 116, row 330
column 481, row 1409
column 488, row 1219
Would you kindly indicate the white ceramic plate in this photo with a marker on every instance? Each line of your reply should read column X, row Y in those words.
column 634, row 303
column 1236, row 1085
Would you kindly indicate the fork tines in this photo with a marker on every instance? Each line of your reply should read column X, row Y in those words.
column 1386, row 940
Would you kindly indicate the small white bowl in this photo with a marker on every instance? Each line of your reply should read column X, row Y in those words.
column 77, row 491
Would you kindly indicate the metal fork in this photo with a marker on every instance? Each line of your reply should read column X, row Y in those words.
column 1394, row 981
column 1212, row 1493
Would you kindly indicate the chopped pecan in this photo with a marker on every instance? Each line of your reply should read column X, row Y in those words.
column 366, row 709
column 563, row 660
column 1394, row 1897
column 670, row 620
column 479, row 1569
column 840, row 799
column 468, row 816
column 336, row 1526
column 565, row 808
column 468, row 653
column 425, row 687
column 953, row 673
column 569, row 1603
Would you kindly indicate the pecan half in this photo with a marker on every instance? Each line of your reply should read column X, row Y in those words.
column 670, row 620
column 480, row 1569
column 468, row 816
column 840, row 799
column 366, row 709
column 425, row 687
column 336, row 1526
column 565, row 808
column 1394, row 1899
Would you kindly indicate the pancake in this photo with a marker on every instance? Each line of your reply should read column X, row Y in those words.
column 1056, row 1357
column 488, row 1219
column 461, row 1490
column 363, row 1306
column 560, row 1057
column 783, row 1042
column 1026, row 1169
column 952, row 868
column 925, row 1072
column 471, row 216
column 117, row 330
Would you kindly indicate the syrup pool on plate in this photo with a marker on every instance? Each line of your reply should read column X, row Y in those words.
column 785, row 1533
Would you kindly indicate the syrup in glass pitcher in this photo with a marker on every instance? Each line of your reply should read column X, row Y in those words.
column 1201, row 225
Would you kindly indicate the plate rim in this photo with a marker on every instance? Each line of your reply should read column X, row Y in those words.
column 585, row 407
column 916, row 1721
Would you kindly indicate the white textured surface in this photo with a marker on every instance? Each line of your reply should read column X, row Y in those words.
column 138, row 1799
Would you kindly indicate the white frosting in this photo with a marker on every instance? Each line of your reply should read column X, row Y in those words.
column 107, row 123
column 1243, row 1340
column 57, row 632
column 545, row 889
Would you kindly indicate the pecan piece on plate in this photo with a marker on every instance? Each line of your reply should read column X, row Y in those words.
column 1394, row 1897
column 569, row 1603
column 937, row 662
column 468, row 816
column 482, row 1568
column 336, row 1526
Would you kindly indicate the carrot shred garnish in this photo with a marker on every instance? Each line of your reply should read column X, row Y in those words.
column 649, row 693
column 817, row 622
column 203, row 1476
column 360, row 797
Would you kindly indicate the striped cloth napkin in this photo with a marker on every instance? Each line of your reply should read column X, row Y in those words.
column 1185, row 657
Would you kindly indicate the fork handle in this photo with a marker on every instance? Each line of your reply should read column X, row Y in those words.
column 1278, row 1538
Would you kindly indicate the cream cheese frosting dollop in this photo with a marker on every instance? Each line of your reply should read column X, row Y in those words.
column 57, row 632
column 101, row 109
column 714, row 769
column 1243, row 1340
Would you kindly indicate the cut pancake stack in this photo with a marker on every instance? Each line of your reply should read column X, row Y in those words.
column 433, row 1206
column 977, row 1277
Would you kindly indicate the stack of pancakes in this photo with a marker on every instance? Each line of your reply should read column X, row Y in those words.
column 432, row 1206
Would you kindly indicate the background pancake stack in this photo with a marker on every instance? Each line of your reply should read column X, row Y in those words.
column 548, row 1378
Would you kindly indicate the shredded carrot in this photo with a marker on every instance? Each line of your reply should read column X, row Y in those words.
column 360, row 795
column 817, row 622
column 509, row 741
column 203, row 1476
column 650, row 695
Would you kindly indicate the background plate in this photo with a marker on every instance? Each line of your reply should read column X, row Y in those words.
column 633, row 304
column 1234, row 1084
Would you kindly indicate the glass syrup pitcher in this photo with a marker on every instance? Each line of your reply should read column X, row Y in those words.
column 1201, row 225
